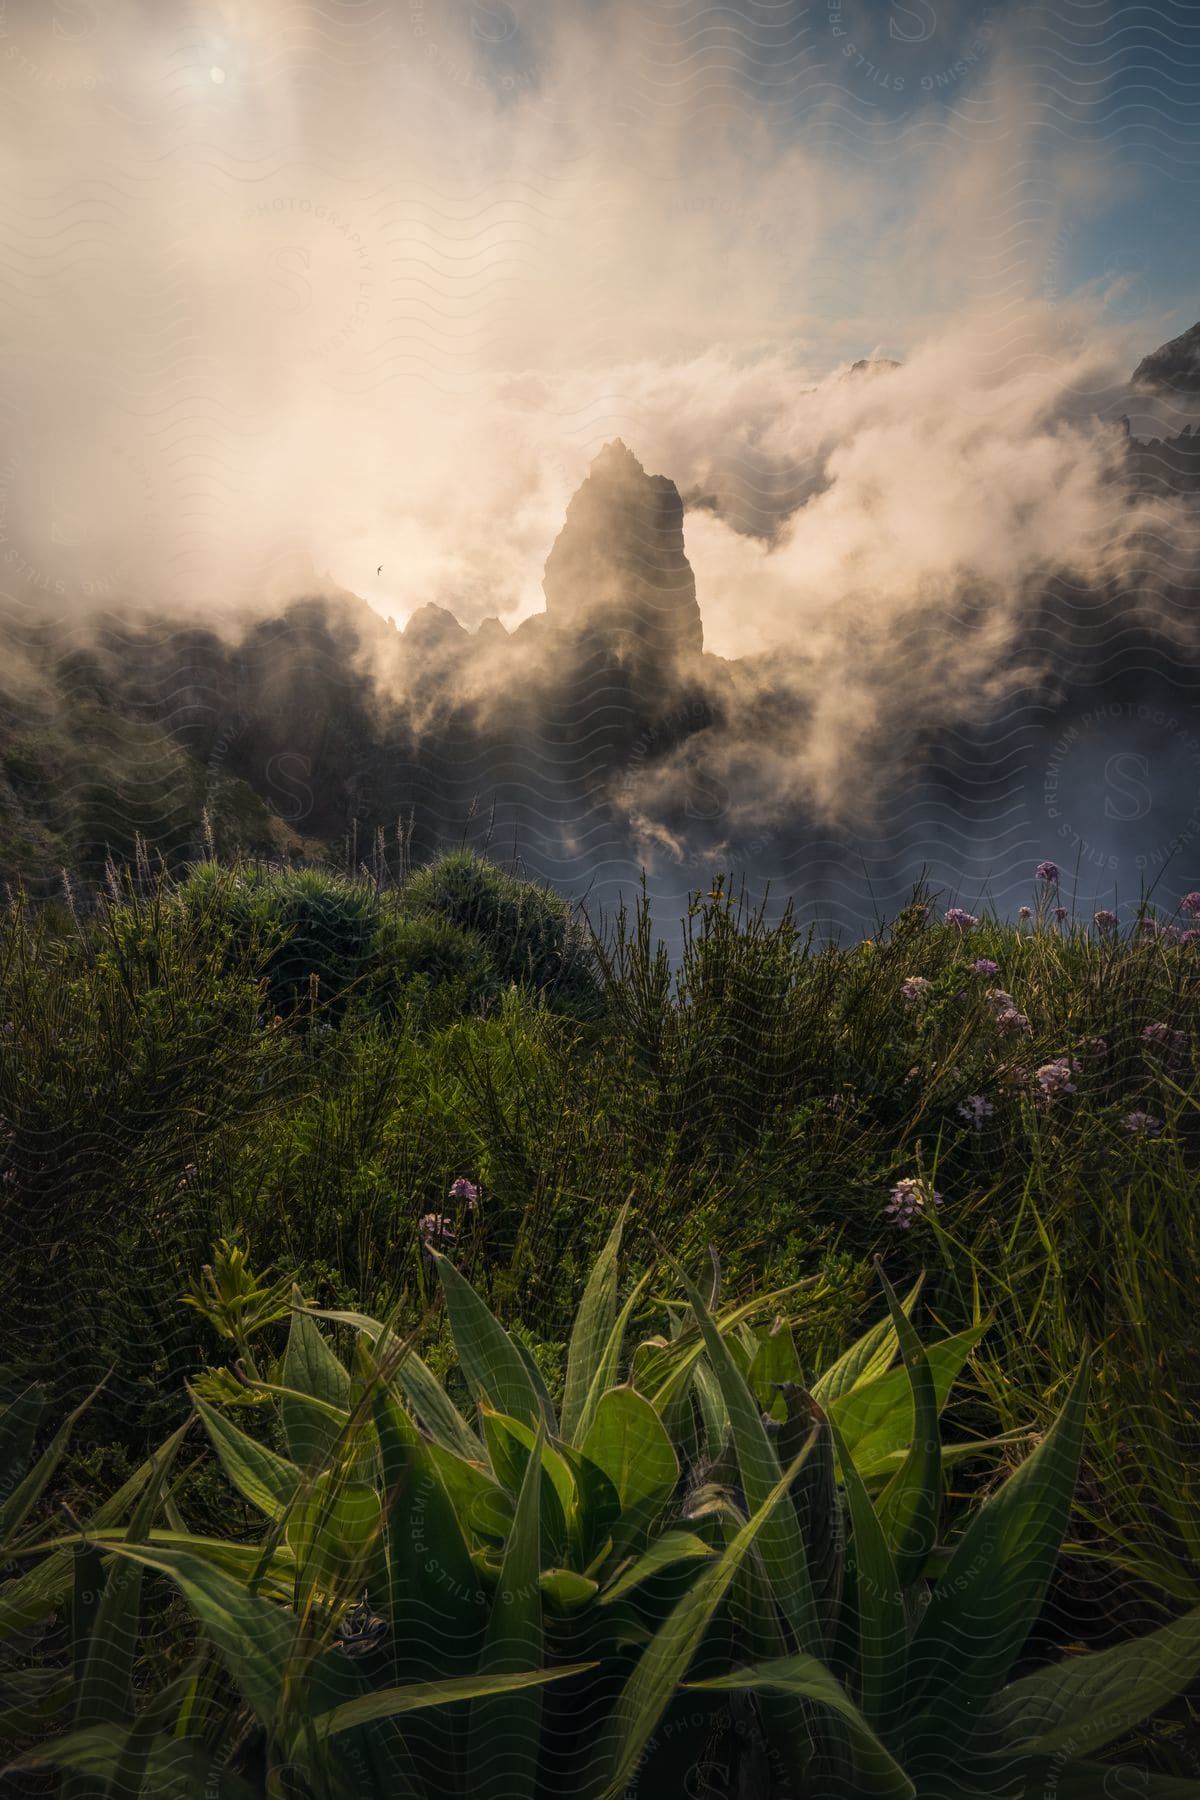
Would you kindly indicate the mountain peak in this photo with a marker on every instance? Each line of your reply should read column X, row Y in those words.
column 618, row 566
column 1175, row 365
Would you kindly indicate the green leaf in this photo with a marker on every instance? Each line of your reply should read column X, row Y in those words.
column 591, row 1333
column 416, row 1381
column 390, row 1703
column 626, row 1440
column 1086, row 1702
column 671, row 1547
column 266, row 1480
column 502, row 1753
column 436, row 1601
column 254, row 1638
column 909, row 1505
column 29, row 1598
column 510, row 1445
column 665, row 1660
column 807, row 1679
column 492, row 1365
column 333, row 1529
column 774, row 1363
column 877, row 1417
column 310, row 1368
column 871, row 1356
column 26, row 1494
column 781, row 1543
column 879, row 1600
column 983, row 1606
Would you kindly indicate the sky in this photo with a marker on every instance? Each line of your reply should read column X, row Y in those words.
column 302, row 296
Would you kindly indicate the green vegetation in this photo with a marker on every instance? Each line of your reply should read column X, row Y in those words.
column 440, row 1118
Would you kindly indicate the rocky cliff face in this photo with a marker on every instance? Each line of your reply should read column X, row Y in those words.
column 618, row 569
column 1174, row 367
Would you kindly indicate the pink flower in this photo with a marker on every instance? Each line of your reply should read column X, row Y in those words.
column 435, row 1228
column 1024, row 912
column 975, row 1110
column 1054, row 1078
column 1191, row 905
column 1142, row 1124
column 1104, row 921
column 1060, row 913
column 985, row 966
column 1046, row 871
column 1012, row 1020
column 954, row 915
column 1161, row 1037
column 908, row 1199
column 915, row 987
column 462, row 1189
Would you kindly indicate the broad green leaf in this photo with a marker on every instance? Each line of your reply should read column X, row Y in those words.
column 332, row 1530
column 502, row 1753
column 591, row 1332
column 437, row 1604
column 909, row 1506
column 807, row 1679
column 492, row 1365
column 266, row 1480
column 627, row 1441
column 876, row 1418
column 982, row 1608
column 596, row 1509
column 774, row 1363
column 671, row 1547
column 879, row 1601
column 565, row 1591
column 510, row 1445
column 391, row 1703
column 254, row 1638
column 609, row 1366
column 416, row 1381
column 310, row 1368
column 871, row 1356
column 665, row 1660
column 781, row 1543
column 1086, row 1702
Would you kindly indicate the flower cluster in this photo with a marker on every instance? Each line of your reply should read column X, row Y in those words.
column 1060, row 914
column 954, row 915
column 1191, row 905
column 915, row 987
column 908, row 1199
column 1024, row 912
column 1054, row 1078
column 1046, row 871
column 985, row 966
column 1161, row 1037
column 1142, row 1124
column 435, row 1228
column 462, row 1189
column 1010, row 1019
column 1104, row 921
column 975, row 1109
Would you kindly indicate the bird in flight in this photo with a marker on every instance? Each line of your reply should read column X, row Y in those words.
column 379, row 570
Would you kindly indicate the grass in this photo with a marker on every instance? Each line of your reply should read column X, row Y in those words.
column 305, row 1063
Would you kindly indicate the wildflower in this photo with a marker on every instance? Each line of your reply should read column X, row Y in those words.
column 1046, row 871
column 1094, row 1047
column 435, row 1228
column 1142, row 1124
column 998, row 999
column 954, row 915
column 1024, row 912
column 1161, row 1037
column 1054, row 1078
column 462, row 1189
column 1060, row 913
column 1189, row 937
column 1191, row 905
column 1012, row 1020
column 908, row 1199
column 1104, row 920
column 975, row 1110
column 985, row 966
column 915, row 987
